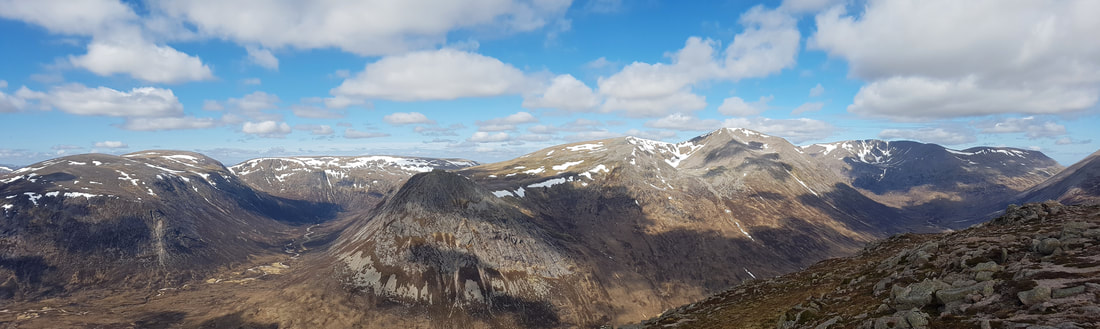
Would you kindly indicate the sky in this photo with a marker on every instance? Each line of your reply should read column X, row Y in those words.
column 489, row 80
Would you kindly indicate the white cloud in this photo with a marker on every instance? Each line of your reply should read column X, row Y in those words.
column 11, row 103
column 212, row 105
column 919, row 98
column 930, row 59
column 251, row 81
column 168, row 123
column 1033, row 128
column 443, row 74
column 795, row 130
column 360, row 27
column 938, row 135
column 768, row 44
column 3, row 84
column 401, row 118
column 683, row 101
column 682, row 122
column 485, row 137
column 143, row 61
column 654, row 90
column 808, row 6
column 358, row 134
column 808, row 107
column 319, row 130
column 565, row 93
column 262, row 57
column 266, row 128
column 70, row 17
column 256, row 106
column 735, row 106
column 506, row 123
column 81, row 100
column 313, row 112
column 591, row 135
column 341, row 102
column 111, row 145
column 817, row 90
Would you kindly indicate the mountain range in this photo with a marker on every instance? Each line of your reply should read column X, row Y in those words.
column 578, row 235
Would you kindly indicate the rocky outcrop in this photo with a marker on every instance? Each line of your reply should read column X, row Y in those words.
column 1034, row 267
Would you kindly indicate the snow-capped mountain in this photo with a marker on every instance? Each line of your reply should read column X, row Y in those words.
column 146, row 218
column 352, row 182
column 955, row 188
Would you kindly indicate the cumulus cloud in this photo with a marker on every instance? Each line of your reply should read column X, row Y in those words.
column 795, row 130
column 143, row 61
column 682, row 122
column 937, row 135
column 81, row 100
column 266, row 128
column 1032, row 127
column 808, row 107
column 359, row 134
column 920, row 98
column 565, row 93
column 74, row 17
column 362, row 27
column 262, row 57
column 443, row 74
column 401, row 118
column 1029, row 61
column 817, row 90
column 485, row 137
column 768, row 44
column 506, row 123
column 11, row 103
column 735, row 106
column 111, row 145
column 168, row 123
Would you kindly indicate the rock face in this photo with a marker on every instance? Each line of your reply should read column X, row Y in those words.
column 448, row 246
column 354, row 183
column 616, row 229
column 992, row 275
column 139, row 220
column 954, row 188
column 1078, row 184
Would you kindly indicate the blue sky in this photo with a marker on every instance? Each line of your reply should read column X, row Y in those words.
column 489, row 80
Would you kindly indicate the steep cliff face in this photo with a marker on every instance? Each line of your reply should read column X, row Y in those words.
column 448, row 246
column 140, row 220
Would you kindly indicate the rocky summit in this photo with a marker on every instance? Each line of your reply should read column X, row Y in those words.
column 1034, row 267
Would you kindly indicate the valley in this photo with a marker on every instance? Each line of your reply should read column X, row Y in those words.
column 588, row 234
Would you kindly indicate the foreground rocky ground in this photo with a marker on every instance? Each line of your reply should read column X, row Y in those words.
column 1038, row 266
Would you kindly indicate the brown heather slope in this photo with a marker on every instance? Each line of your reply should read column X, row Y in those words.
column 1037, row 265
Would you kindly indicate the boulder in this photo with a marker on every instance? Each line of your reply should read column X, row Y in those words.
column 1048, row 246
column 1034, row 296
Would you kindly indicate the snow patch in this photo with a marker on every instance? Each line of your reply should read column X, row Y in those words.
column 551, row 182
column 566, row 165
column 535, row 171
column 503, row 193
column 586, row 147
